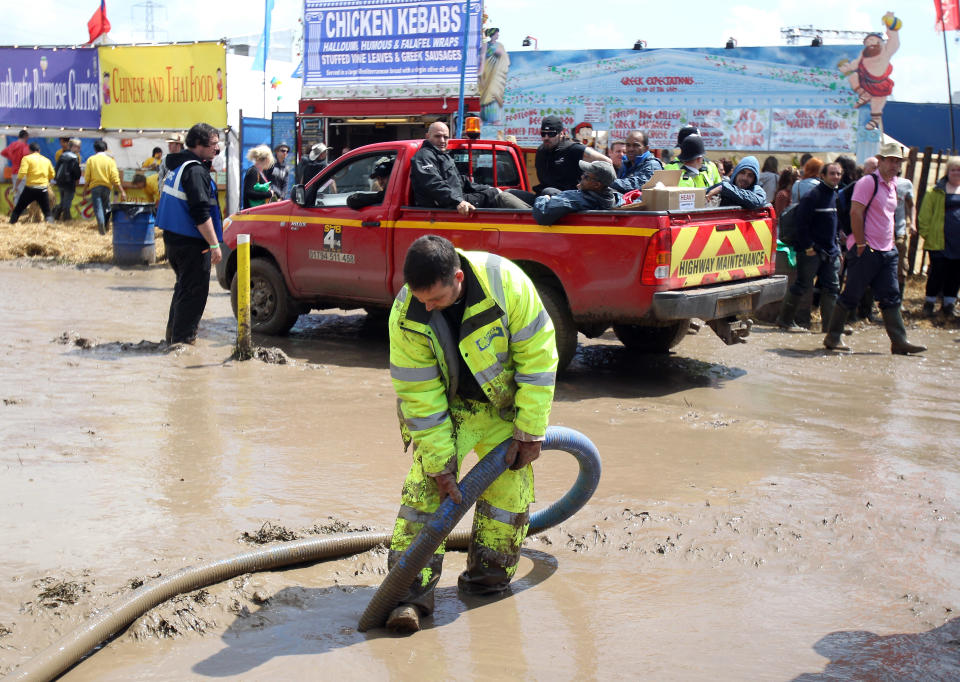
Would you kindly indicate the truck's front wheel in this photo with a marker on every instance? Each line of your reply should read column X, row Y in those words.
column 271, row 309
column 647, row 339
column 566, row 332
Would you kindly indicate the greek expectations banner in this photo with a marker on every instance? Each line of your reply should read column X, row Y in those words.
column 53, row 88
column 375, row 48
column 758, row 99
column 164, row 86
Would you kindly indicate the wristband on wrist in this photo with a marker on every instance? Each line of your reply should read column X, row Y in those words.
column 214, row 246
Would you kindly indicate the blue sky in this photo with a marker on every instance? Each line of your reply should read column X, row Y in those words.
column 919, row 70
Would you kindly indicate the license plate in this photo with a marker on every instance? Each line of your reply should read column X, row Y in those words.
column 734, row 305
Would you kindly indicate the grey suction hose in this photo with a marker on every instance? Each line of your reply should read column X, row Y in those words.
column 448, row 514
column 65, row 652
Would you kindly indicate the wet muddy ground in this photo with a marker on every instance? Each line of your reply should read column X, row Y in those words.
column 767, row 511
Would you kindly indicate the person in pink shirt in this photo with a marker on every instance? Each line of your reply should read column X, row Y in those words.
column 872, row 255
column 14, row 152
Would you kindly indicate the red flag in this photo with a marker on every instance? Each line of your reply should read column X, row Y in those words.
column 99, row 24
column 948, row 15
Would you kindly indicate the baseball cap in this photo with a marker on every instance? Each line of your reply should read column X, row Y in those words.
column 891, row 149
column 551, row 124
column 600, row 170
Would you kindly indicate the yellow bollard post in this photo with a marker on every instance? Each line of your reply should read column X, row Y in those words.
column 244, row 349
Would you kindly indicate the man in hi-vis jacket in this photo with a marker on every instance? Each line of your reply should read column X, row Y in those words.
column 473, row 359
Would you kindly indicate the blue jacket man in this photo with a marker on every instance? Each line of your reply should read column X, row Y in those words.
column 638, row 165
column 189, row 215
column 594, row 194
column 742, row 189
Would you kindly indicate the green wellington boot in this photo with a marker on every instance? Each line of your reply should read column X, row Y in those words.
column 893, row 321
column 788, row 310
column 834, row 338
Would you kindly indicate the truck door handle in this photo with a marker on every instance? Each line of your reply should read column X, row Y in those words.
column 726, row 228
column 370, row 223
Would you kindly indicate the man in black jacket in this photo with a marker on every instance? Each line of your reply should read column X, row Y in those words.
column 438, row 184
column 558, row 158
column 818, row 254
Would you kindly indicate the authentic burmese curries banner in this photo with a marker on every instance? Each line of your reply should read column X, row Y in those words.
column 163, row 87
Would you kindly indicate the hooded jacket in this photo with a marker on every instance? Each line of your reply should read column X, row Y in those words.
column 932, row 215
column 549, row 209
column 731, row 195
column 507, row 341
column 635, row 175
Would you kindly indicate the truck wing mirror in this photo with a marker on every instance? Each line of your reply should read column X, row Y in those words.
column 298, row 194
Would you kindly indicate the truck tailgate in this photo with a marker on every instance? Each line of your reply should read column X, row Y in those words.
column 721, row 251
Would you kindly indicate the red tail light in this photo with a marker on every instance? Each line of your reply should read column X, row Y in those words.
column 656, row 260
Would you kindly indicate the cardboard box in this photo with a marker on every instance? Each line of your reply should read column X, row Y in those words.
column 674, row 198
column 670, row 197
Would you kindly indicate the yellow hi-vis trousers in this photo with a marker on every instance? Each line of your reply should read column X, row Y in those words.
column 500, row 520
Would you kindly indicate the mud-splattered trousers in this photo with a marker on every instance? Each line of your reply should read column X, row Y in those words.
column 507, row 342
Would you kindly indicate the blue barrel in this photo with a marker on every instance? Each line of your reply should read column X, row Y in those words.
column 133, row 242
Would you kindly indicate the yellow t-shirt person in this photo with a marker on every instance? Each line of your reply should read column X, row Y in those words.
column 36, row 170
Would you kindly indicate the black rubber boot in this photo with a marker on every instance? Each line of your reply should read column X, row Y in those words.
column 927, row 310
column 788, row 310
column 828, row 302
column 834, row 338
column 893, row 321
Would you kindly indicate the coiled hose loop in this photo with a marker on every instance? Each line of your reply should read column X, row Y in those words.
column 448, row 514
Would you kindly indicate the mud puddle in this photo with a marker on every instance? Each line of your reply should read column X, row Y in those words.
column 767, row 511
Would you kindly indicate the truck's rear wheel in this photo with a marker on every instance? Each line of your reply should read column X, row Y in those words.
column 272, row 311
column 566, row 332
column 647, row 339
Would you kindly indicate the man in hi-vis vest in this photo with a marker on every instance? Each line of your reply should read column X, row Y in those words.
column 473, row 359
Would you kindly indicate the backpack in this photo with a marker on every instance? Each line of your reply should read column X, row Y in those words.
column 845, row 201
column 67, row 173
column 787, row 225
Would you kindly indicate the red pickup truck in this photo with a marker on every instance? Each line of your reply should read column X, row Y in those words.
column 645, row 273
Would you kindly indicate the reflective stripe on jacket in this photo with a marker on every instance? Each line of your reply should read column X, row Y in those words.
column 173, row 213
column 506, row 339
column 708, row 176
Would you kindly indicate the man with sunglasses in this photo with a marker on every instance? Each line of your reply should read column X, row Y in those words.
column 558, row 158
column 189, row 215
column 279, row 173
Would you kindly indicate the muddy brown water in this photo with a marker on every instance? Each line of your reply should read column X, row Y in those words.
column 767, row 511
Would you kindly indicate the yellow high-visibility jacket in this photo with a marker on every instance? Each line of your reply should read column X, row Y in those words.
column 708, row 176
column 507, row 341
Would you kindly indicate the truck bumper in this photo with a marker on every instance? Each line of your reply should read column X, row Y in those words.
column 222, row 278
column 710, row 303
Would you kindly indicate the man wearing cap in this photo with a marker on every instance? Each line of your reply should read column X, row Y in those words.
column 872, row 253
column 639, row 165
column 557, row 160
column 593, row 193
column 174, row 146
column 379, row 178
column 742, row 188
column 437, row 183
column 315, row 162
column 698, row 170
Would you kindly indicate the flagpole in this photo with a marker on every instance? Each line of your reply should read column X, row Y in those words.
column 463, row 70
column 946, row 61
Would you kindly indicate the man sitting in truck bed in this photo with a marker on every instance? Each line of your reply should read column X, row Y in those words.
column 742, row 189
column 438, row 184
column 594, row 193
